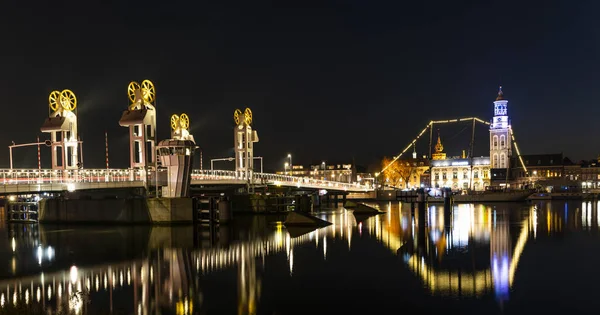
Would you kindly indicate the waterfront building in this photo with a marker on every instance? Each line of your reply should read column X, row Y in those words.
column 459, row 173
column 547, row 171
column 345, row 172
column 413, row 173
column 335, row 170
column 589, row 172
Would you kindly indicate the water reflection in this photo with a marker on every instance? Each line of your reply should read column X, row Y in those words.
column 470, row 251
column 446, row 249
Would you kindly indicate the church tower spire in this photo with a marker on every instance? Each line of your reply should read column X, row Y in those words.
column 500, row 94
column 500, row 139
column 439, row 150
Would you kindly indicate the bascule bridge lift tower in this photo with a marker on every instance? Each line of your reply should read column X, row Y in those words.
column 140, row 117
column 177, row 155
column 62, row 126
column 244, row 139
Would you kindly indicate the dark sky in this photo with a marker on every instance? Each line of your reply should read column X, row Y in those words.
column 326, row 80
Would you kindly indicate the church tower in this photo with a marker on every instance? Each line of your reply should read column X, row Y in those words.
column 439, row 150
column 500, row 139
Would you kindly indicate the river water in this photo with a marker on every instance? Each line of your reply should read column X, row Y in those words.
column 504, row 258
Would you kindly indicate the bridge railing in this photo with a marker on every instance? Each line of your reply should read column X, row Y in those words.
column 44, row 176
column 275, row 179
column 35, row 176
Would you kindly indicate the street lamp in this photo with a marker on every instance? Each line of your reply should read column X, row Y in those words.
column 324, row 166
column 291, row 168
column 285, row 166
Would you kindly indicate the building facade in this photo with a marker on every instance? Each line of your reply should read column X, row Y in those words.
column 461, row 174
column 589, row 173
column 340, row 171
column 500, row 139
column 544, row 170
column 413, row 173
column 477, row 173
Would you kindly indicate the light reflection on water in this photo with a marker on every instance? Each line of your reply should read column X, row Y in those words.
column 473, row 251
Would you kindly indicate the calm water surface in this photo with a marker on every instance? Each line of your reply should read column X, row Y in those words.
column 476, row 259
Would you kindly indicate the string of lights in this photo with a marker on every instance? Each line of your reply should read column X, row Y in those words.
column 430, row 125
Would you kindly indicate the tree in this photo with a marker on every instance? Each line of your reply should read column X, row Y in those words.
column 398, row 173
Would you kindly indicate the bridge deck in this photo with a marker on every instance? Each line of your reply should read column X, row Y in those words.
column 33, row 180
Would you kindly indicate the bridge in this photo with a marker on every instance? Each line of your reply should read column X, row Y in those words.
column 44, row 180
column 152, row 164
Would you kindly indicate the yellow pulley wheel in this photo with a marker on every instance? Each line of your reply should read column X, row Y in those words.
column 54, row 100
column 174, row 121
column 184, row 121
column 248, row 116
column 148, row 92
column 133, row 86
column 68, row 100
column 237, row 117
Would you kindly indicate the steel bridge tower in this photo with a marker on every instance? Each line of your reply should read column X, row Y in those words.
column 176, row 154
column 62, row 126
column 140, row 117
column 244, row 139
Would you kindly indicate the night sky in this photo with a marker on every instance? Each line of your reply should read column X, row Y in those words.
column 326, row 80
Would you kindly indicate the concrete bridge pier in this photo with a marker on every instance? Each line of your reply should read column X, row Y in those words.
column 317, row 200
column 333, row 198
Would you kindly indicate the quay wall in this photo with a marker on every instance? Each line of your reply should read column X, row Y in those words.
column 123, row 211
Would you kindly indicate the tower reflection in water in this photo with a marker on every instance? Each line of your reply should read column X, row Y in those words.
column 446, row 248
column 450, row 248
column 469, row 251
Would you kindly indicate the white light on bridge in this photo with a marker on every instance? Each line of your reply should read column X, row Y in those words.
column 71, row 187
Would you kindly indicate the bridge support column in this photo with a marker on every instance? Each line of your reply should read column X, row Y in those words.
column 317, row 200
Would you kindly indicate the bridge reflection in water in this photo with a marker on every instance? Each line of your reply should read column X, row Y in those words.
column 470, row 252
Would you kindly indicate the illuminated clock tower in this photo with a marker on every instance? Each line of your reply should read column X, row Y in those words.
column 500, row 139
